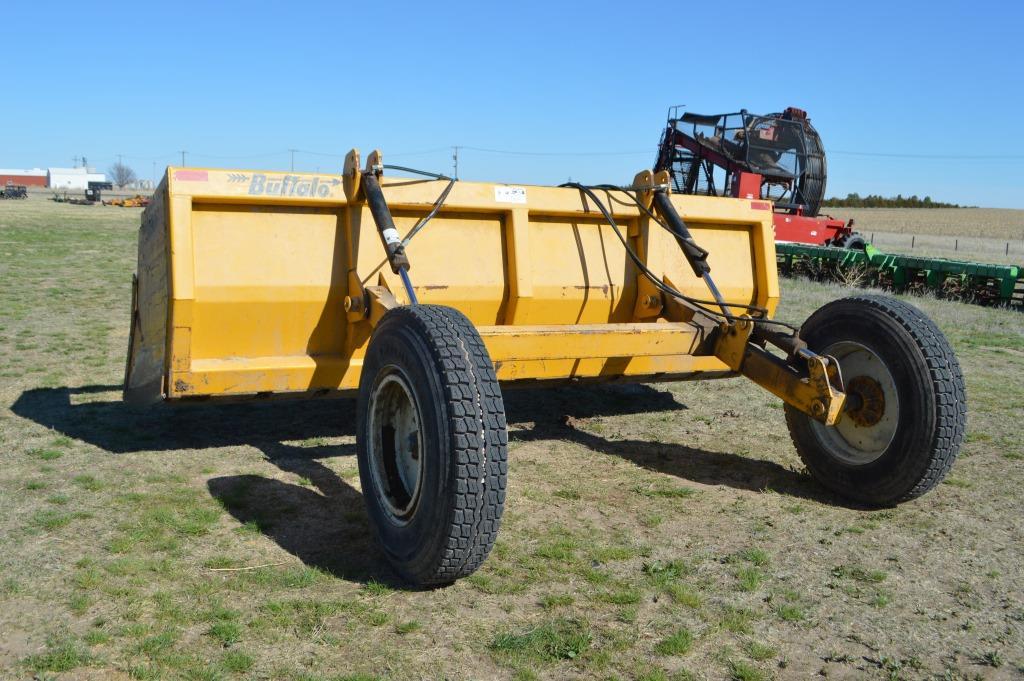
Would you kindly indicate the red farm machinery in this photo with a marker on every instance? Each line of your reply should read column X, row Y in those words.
column 775, row 158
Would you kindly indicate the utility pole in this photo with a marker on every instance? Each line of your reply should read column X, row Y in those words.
column 293, row 158
column 455, row 159
column 183, row 157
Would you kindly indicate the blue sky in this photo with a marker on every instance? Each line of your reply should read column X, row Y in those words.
column 237, row 84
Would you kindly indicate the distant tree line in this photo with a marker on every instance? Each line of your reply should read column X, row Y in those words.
column 875, row 201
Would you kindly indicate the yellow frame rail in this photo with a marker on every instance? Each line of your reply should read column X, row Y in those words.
column 261, row 283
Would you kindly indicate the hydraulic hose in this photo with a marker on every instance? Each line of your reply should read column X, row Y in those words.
column 660, row 285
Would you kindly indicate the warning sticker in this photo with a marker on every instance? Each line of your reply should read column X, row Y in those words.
column 510, row 194
column 192, row 175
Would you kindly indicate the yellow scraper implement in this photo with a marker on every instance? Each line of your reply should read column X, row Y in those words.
column 425, row 297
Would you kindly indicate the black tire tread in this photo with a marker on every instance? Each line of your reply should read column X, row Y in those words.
column 477, row 431
column 946, row 379
column 855, row 242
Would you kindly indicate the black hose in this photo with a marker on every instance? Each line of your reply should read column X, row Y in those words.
column 425, row 173
column 437, row 203
column 437, row 206
column 660, row 285
column 608, row 188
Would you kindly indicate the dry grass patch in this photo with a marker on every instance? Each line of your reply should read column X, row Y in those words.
column 226, row 541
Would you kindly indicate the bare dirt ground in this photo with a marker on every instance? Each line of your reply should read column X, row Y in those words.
column 654, row 532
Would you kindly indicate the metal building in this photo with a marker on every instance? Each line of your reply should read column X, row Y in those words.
column 31, row 177
column 72, row 178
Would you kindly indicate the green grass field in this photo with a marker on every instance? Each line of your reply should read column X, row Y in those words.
column 651, row 532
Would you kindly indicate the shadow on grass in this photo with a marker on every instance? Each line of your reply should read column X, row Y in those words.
column 552, row 417
column 693, row 464
column 324, row 524
column 95, row 414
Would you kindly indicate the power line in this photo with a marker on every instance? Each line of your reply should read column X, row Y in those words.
column 131, row 157
column 244, row 156
column 948, row 157
column 456, row 149
column 320, row 153
column 967, row 157
column 510, row 152
column 422, row 152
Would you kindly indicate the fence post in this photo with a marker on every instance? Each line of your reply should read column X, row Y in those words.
column 1007, row 248
column 912, row 238
column 956, row 245
column 872, row 237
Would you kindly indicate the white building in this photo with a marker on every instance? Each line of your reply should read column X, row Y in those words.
column 72, row 178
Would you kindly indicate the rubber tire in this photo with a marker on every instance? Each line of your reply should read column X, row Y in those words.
column 465, row 444
column 855, row 242
column 930, row 386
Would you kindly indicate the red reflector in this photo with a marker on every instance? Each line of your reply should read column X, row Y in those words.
column 192, row 175
column 760, row 205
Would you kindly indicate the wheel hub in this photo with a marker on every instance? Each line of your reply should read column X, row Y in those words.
column 871, row 418
column 868, row 398
column 395, row 445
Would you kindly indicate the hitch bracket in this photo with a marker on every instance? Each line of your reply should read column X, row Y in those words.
column 812, row 383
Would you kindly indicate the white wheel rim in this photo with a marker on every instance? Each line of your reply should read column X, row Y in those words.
column 853, row 443
column 395, row 444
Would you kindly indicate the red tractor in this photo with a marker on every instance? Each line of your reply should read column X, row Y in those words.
column 775, row 157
